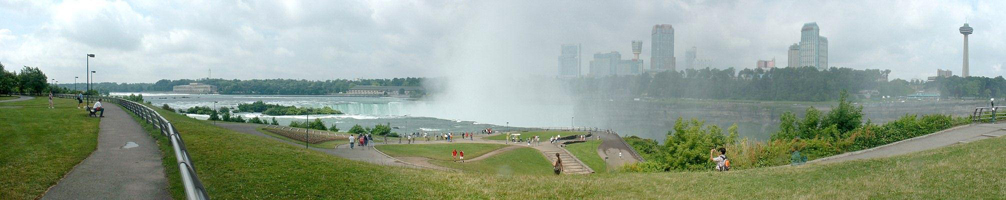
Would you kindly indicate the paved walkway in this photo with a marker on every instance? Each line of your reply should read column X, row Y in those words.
column 956, row 135
column 22, row 98
column 615, row 151
column 365, row 154
column 126, row 164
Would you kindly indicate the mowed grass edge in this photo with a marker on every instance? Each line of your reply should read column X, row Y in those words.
column 41, row 145
column 587, row 153
column 235, row 165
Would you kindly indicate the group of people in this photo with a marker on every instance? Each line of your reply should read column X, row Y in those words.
column 80, row 104
column 458, row 154
column 361, row 139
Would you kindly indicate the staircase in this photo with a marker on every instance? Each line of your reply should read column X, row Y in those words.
column 570, row 165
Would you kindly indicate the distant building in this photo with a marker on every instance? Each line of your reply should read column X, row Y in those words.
column 662, row 48
column 813, row 47
column 195, row 88
column 605, row 64
column 366, row 90
column 766, row 64
column 569, row 61
column 690, row 56
column 941, row 73
column 794, row 56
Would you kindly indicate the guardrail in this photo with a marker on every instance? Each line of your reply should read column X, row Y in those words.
column 194, row 189
column 987, row 114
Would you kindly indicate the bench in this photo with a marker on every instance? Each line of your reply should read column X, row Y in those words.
column 92, row 112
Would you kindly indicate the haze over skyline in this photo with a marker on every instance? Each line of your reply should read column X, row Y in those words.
column 145, row 41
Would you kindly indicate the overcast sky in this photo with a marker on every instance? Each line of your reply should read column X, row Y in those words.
column 145, row 41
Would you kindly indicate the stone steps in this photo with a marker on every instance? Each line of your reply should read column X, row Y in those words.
column 570, row 164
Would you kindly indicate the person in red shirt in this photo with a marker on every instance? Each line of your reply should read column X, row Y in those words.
column 462, row 153
column 455, row 154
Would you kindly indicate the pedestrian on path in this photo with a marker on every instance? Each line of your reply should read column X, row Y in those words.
column 462, row 155
column 454, row 155
column 557, row 166
column 351, row 141
column 80, row 100
column 50, row 100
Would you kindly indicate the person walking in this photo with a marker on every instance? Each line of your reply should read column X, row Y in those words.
column 462, row 155
column 557, row 166
column 50, row 100
column 454, row 155
column 80, row 100
column 351, row 141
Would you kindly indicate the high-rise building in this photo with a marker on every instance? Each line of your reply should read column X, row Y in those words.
column 690, row 58
column 662, row 48
column 569, row 60
column 794, row 56
column 766, row 64
column 813, row 47
column 966, row 30
column 605, row 64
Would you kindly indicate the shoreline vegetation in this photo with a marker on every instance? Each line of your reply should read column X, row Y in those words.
column 817, row 135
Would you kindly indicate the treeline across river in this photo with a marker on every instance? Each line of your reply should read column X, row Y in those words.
column 776, row 84
column 259, row 86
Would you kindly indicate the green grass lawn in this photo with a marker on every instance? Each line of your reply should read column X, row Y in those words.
column 587, row 152
column 543, row 134
column 325, row 145
column 239, row 166
column 438, row 151
column 39, row 145
column 9, row 97
column 523, row 161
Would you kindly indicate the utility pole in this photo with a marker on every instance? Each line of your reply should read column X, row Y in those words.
column 307, row 132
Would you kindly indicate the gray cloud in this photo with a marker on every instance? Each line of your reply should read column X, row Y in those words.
column 143, row 41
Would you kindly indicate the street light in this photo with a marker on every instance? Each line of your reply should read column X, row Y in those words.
column 92, row 81
column 307, row 130
column 75, row 83
column 214, row 110
column 87, row 62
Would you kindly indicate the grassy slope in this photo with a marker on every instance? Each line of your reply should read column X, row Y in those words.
column 235, row 165
column 543, row 134
column 438, row 151
column 524, row 161
column 587, row 152
column 39, row 145
column 325, row 145
column 8, row 97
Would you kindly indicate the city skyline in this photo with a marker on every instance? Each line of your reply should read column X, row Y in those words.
column 145, row 41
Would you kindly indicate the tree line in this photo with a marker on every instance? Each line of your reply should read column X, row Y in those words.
column 973, row 86
column 776, row 84
column 262, row 86
column 31, row 80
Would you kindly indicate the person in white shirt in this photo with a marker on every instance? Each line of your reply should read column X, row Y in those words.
column 98, row 108
column 721, row 160
column 351, row 141
column 50, row 100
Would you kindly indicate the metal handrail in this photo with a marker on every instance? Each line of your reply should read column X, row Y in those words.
column 993, row 113
column 194, row 189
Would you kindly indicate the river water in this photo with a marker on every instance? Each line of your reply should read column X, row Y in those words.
column 648, row 119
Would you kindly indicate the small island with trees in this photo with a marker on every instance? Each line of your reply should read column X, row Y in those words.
column 276, row 109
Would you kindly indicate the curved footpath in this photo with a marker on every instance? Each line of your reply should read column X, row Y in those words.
column 960, row 134
column 371, row 155
column 125, row 165
column 20, row 98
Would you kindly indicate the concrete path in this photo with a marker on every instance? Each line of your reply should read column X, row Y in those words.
column 21, row 98
column 126, row 164
column 615, row 151
column 365, row 154
column 956, row 135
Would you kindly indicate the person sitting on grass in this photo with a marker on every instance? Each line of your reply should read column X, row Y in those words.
column 557, row 166
column 722, row 163
column 98, row 108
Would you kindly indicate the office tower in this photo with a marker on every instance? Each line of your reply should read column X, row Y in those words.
column 662, row 48
column 813, row 47
column 569, row 60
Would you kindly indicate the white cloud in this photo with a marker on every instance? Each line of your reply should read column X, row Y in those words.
column 147, row 40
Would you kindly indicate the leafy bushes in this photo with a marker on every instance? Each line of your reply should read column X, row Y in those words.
column 817, row 135
column 202, row 110
column 316, row 124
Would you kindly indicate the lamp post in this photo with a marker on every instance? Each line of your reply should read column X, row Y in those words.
column 92, row 80
column 307, row 130
column 214, row 110
column 87, row 62
column 51, row 86
column 75, row 83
